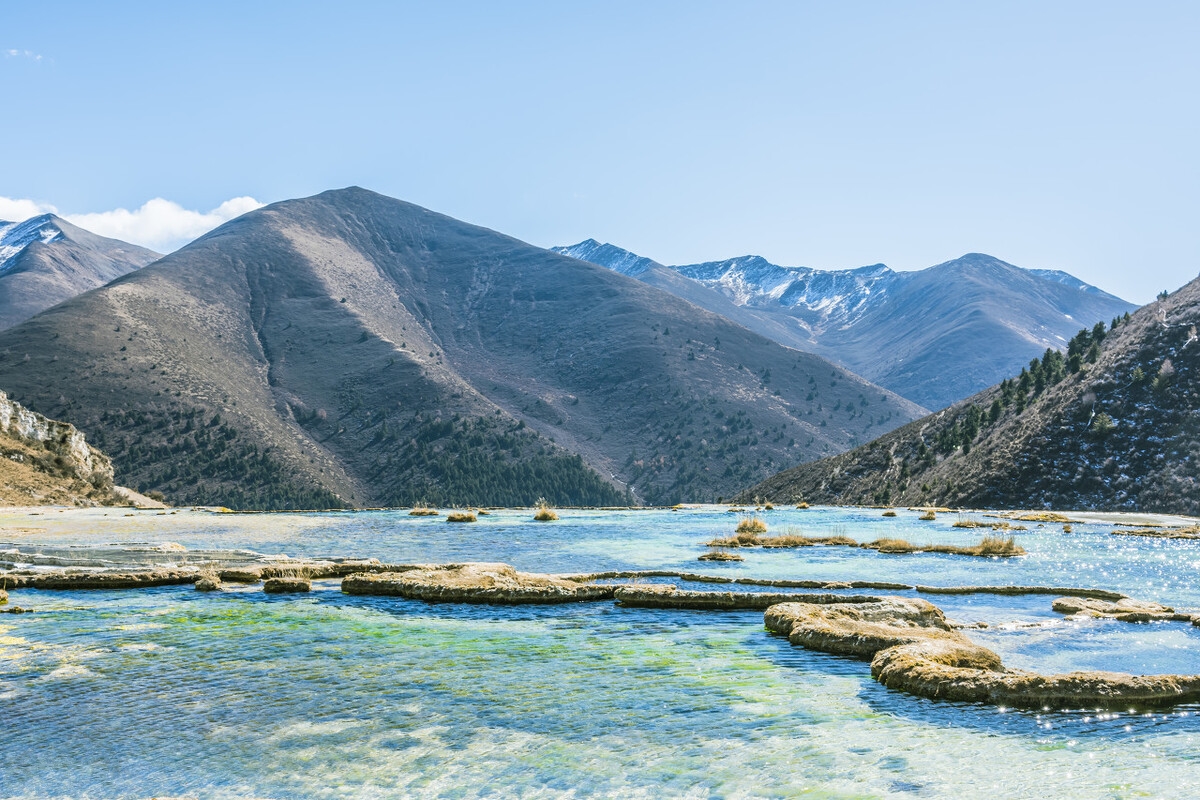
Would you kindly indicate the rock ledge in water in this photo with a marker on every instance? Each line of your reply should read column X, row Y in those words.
column 1126, row 609
column 287, row 585
column 475, row 583
column 913, row 649
column 665, row 595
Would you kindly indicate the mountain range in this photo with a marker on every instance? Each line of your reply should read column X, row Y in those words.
column 934, row 336
column 350, row 349
column 1110, row 425
column 45, row 260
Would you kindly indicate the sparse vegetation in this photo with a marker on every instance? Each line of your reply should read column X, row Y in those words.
column 460, row 516
column 928, row 516
column 889, row 513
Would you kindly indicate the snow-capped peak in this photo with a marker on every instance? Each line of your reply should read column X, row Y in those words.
column 16, row 236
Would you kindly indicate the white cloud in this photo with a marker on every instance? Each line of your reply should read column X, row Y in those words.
column 161, row 224
column 12, row 210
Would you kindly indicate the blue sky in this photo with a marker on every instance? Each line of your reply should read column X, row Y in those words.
column 1055, row 135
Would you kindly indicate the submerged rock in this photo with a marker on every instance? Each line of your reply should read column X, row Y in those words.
column 475, row 583
column 913, row 649
column 287, row 585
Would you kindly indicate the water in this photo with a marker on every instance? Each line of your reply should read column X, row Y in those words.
column 171, row 692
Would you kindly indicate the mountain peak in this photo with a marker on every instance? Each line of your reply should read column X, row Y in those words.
column 16, row 236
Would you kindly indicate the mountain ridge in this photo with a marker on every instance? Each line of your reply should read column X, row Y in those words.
column 911, row 332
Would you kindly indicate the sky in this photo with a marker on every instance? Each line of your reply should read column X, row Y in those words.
column 830, row 135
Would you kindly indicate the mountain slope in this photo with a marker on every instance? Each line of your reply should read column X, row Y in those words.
column 1122, row 433
column 45, row 260
column 934, row 336
column 353, row 349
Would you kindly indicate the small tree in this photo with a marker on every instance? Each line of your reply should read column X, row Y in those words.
column 1102, row 425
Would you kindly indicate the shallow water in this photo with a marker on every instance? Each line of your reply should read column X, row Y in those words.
column 240, row 694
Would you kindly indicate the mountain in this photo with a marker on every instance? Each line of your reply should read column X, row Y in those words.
column 45, row 260
column 934, row 336
column 1112, row 426
column 352, row 349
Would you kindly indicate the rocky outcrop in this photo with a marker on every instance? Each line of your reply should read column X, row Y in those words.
column 475, row 583
column 913, row 649
column 669, row 596
column 63, row 441
column 208, row 583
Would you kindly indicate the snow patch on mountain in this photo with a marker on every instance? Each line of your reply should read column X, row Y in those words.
column 615, row 258
column 16, row 236
column 1066, row 279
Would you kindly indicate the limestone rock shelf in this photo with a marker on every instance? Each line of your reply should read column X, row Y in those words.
column 475, row 583
column 912, row 648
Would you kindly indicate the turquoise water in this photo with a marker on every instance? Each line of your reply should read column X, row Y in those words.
column 171, row 692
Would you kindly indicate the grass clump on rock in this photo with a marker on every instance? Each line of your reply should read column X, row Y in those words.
column 422, row 510
column 928, row 516
column 721, row 555
column 460, row 516
column 889, row 513
column 989, row 546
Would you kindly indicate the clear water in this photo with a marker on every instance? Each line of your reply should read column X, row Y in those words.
column 170, row 692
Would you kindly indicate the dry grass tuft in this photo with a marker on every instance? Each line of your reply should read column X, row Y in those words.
column 544, row 512
column 889, row 513
column 928, row 516
column 460, row 516
column 802, row 505
column 751, row 525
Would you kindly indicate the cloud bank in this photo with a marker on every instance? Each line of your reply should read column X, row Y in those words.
column 20, row 210
column 159, row 224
